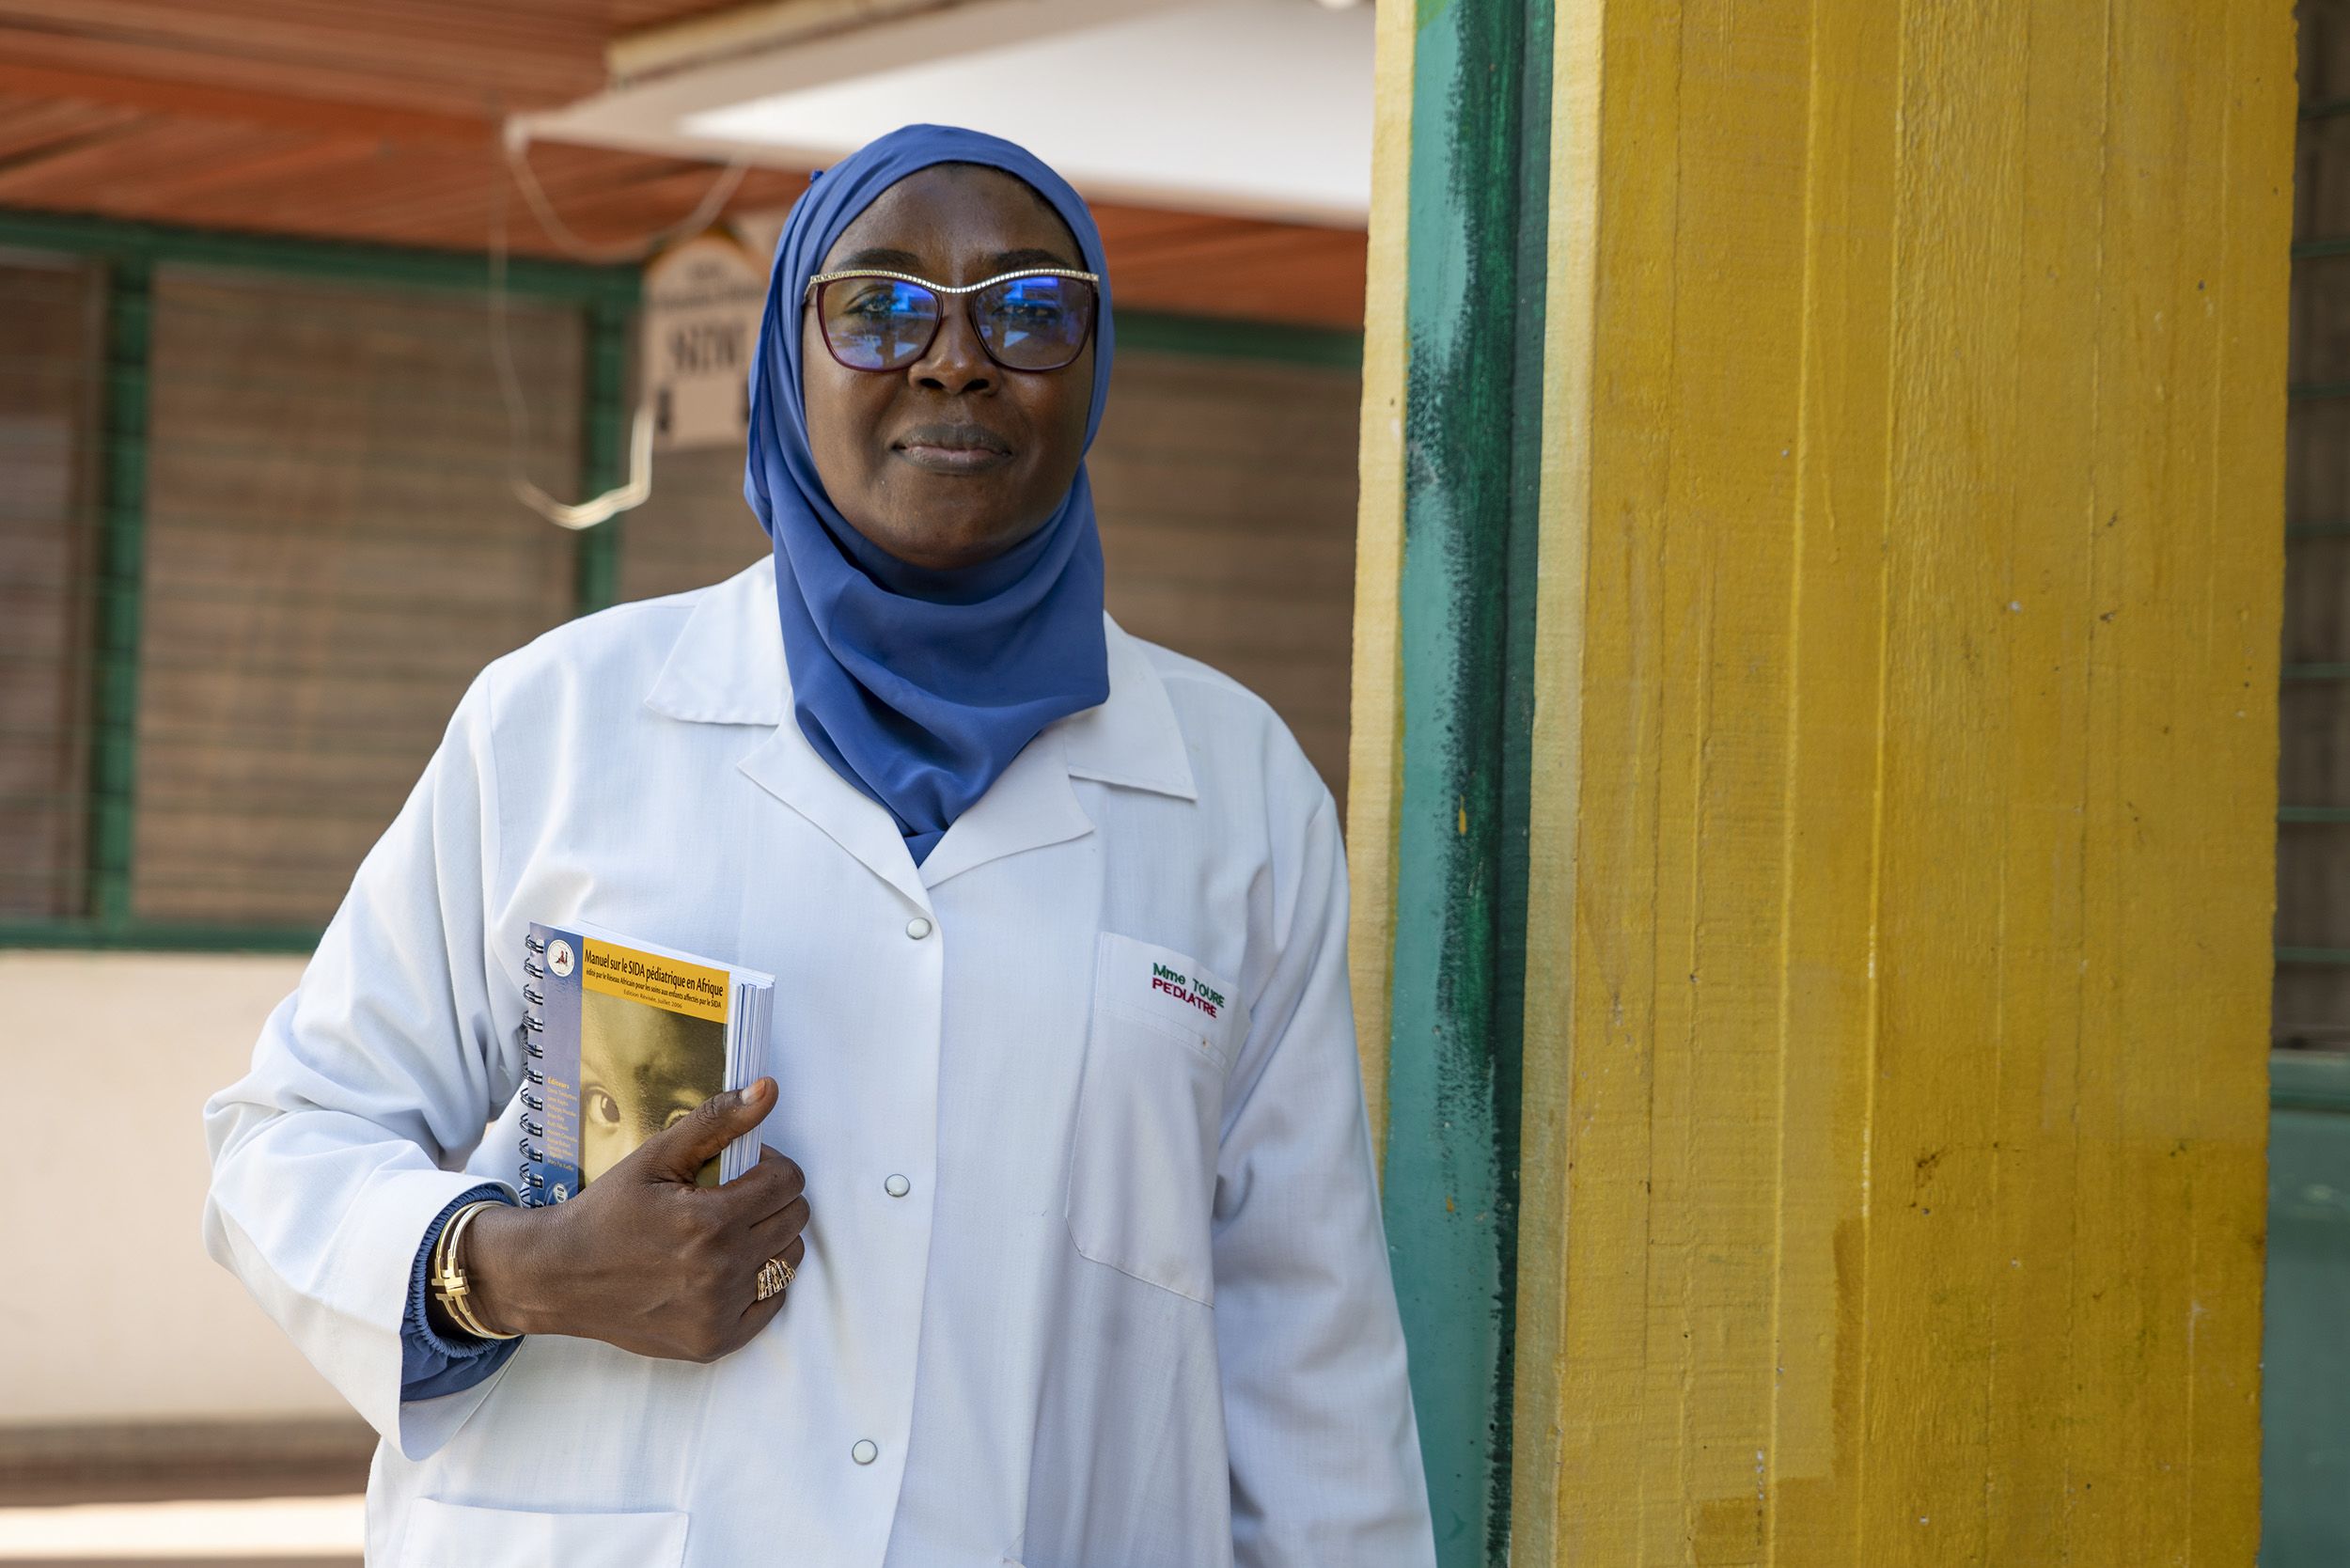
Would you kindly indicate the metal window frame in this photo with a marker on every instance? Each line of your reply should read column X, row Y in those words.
column 1256, row 342
column 129, row 253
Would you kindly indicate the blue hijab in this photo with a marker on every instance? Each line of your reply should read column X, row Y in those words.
column 918, row 686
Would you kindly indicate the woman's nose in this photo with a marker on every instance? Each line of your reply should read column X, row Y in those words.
column 956, row 362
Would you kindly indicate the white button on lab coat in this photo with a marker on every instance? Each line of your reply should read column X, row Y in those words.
column 1095, row 1277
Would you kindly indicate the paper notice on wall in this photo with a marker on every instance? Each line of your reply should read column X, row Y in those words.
column 702, row 302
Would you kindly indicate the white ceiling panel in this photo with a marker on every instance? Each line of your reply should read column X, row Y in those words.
column 1253, row 107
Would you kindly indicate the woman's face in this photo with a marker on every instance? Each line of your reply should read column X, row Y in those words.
column 953, row 460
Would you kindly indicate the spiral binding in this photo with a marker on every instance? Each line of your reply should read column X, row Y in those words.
column 530, row 1184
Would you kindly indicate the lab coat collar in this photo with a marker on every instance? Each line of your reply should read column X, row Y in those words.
column 788, row 768
column 1133, row 738
column 727, row 667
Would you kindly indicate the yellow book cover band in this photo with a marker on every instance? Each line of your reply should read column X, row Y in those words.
column 665, row 983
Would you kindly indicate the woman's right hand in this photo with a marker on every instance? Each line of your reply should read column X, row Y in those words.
column 642, row 1258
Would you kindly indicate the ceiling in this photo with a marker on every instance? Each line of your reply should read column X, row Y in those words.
column 1253, row 107
column 381, row 121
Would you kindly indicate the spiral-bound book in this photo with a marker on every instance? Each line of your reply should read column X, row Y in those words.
column 622, row 1039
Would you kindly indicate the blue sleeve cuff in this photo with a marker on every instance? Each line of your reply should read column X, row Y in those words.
column 433, row 1364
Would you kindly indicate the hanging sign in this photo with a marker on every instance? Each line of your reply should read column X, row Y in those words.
column 702, row 302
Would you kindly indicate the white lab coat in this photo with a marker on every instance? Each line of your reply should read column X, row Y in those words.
column 1134, row 1309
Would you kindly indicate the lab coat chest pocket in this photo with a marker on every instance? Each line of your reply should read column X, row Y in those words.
column 1143, row 1154
column 445, row 1535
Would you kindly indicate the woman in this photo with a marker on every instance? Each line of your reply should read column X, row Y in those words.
column 1086, row 1264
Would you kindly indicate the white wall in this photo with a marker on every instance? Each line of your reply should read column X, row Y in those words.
column 109, row 1309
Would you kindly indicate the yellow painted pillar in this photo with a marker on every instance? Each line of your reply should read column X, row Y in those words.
column 1900, row 828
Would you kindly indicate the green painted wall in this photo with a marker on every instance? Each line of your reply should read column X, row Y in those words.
column 1472, row 421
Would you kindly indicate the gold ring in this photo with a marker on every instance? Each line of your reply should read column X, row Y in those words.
column 775, row 1276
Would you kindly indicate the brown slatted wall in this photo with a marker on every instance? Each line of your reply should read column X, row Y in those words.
column 1227, row 496
column 1226, row 491
column 49, row 330
column 2312, row 998
column 694, row 531
column 331, row 554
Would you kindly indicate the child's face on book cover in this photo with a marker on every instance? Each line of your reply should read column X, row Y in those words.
column 641, row 1069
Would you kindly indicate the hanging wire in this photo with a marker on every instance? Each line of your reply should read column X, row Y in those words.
column 517, row 143
column 638, row 488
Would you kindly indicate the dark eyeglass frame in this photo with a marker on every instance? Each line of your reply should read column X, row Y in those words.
column 944, row 291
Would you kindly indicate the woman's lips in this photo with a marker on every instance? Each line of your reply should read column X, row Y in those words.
column 953, row 448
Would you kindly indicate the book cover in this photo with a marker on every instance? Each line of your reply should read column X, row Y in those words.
column 630, row 1039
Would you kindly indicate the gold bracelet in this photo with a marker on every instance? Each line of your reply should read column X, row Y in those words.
column 451, row 1286
column 449, row 1283
column 457, row 1286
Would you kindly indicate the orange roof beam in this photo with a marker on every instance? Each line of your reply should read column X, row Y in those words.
column 281, row 111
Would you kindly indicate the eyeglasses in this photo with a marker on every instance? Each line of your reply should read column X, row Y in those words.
column 1036, row 319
